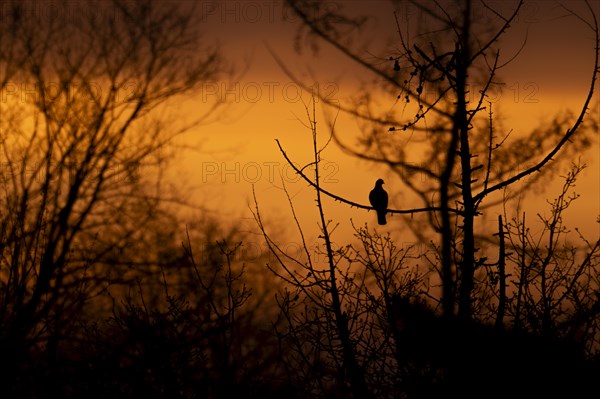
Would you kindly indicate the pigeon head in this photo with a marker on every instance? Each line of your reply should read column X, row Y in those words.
column 379, row 182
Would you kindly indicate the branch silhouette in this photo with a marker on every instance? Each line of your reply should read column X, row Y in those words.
column 352, row 203
column 568, row 134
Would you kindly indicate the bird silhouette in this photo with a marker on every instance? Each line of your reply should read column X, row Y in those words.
column 378, row 198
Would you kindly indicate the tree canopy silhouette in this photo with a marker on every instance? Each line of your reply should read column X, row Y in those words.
column 366, row 319
column 84, row 94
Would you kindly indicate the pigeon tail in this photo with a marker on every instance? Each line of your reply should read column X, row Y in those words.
column 381, row 217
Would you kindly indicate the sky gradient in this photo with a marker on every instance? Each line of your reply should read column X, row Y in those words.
column 238, row 152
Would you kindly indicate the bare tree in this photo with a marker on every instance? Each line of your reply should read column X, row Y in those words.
column 554, row 291
column 193, row 320
column 326, row 310
column 465, row 159
column 361, row 324
column 84, row 110
column 358, row 319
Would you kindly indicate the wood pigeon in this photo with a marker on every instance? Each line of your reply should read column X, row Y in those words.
column 378, row 198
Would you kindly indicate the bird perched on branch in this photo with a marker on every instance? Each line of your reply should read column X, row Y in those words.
column 378, row 198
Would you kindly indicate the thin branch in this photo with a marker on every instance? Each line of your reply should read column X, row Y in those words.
column 568, row 134
column 354, row 204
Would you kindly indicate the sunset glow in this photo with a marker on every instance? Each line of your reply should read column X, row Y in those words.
column 299, row 199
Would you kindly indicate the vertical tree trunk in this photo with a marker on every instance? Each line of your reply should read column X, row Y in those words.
column 351, row 366
column 468, row 248
column 501, row 276
column 448, row 294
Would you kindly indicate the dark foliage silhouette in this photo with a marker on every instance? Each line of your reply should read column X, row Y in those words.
column 192, row 328
column 457, row 358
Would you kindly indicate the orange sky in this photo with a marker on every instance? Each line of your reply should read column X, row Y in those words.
column 551, row 74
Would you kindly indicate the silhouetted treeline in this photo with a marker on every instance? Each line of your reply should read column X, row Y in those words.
column 106, row 291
